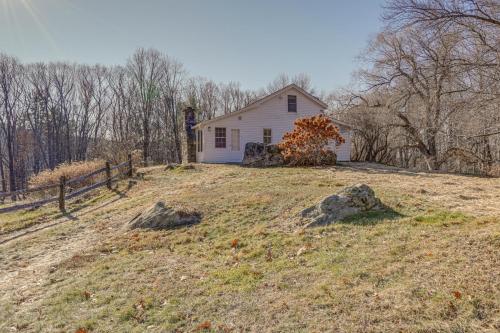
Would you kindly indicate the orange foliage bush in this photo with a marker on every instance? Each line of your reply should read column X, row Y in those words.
column 306, row 144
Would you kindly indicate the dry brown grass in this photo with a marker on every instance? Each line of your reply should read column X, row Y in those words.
column 430, row 265
column 69, row 171
column 495, row 170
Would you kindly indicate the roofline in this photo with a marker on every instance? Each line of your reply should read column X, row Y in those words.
column 341, row 123
column 258, row 102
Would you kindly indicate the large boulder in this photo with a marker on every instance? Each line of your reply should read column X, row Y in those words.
column 350, row 201
column 261, row 155
column 328, row 158
column 177, row 166
column 161, row 216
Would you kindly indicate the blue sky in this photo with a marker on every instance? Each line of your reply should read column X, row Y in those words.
column 246, row 41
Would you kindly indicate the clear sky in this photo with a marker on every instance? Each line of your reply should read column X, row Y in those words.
column 246, row 41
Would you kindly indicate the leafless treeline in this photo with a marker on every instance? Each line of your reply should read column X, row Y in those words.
column 59, row 112
column 431, row 96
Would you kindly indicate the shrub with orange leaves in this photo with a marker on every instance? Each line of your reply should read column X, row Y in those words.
column 307, row 143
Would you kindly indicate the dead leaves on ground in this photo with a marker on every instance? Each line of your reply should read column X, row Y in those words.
column 81, row 330
column 234, row 243
column 457, row 294
column 206, row 325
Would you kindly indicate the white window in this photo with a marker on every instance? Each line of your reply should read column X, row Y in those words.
column 267, row 136
column 235, row 139
column 292, row 103
column 220, row 137
column 200, row 140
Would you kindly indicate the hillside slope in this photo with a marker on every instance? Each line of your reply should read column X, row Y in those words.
column 429, row 264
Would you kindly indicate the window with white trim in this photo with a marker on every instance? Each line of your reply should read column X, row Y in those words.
column 292, row 103
column 220, row 137
column 199, row 140
column 267, row 136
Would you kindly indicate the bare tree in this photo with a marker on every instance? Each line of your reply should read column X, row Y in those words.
column 171, row 94
column 11, row 89
column 146, row 68
column 302, row 80
column 443, row 11
column 435, row 74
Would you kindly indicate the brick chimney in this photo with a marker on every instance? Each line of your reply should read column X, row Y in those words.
column 189, row 144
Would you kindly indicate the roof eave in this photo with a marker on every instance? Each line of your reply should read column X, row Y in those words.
column 263, row 100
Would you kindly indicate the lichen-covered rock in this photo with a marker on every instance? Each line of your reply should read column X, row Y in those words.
column 176, row 166
column 352, row 200
column 261, row 155
column 328, row 158
column 161, row 216
column 171, row 166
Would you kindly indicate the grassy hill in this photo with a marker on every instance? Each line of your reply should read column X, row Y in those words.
column 429, row 264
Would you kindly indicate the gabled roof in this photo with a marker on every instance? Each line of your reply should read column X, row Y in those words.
column 340, row 123
column 265, row 99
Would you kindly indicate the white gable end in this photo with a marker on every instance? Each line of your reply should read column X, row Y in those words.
column 270, row 114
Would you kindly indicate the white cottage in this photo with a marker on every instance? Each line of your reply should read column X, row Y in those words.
column 223, row 139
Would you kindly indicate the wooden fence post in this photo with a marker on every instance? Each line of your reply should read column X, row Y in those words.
column 108, row 175
column 130, row 169
column 62, row 185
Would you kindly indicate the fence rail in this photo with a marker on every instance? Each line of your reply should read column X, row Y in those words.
column 28, row 190
column 64, row 183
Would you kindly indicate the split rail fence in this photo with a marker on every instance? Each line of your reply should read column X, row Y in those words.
column 64, row 184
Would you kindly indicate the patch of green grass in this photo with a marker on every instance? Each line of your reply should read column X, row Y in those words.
column 238, row 278
column 442, row 217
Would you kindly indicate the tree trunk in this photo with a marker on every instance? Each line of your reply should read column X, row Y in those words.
column 145, row 143
column 2, row 172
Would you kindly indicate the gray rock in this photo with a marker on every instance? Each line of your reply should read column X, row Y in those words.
column 260, row 155
column 171, row 166
column 176, row 166
column 328, row 158
column 352, row 200
column 161, row 216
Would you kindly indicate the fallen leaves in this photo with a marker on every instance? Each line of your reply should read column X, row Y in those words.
column 206, row 325
column 81, row 330
column 234, row 243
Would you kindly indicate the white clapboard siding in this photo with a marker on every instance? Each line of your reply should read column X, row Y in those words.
column 272, row 113
column 343, row 151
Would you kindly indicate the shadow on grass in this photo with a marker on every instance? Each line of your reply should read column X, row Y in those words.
column 372, row 217
column 377, row 168
column 121, row 194
column 68, row 214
